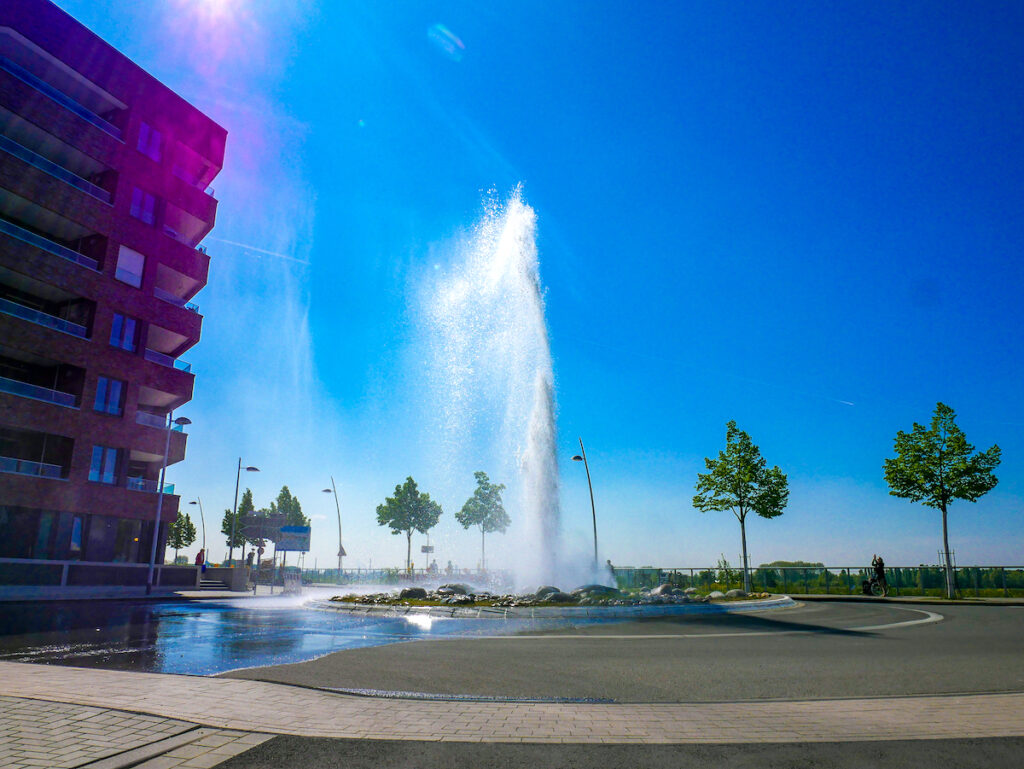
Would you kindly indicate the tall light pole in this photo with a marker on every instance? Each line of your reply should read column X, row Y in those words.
column 234, row 514
column 202, row 518
column 593, row 513
column 171, row 422
column 337, row 506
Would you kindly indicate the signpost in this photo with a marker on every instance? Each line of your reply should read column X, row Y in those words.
column 293, row 538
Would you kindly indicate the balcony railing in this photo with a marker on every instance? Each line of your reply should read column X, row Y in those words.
column 58, row 96
column 167, row 296
column 166, row 360
column 26, row 390
column 10, row 228
column 24, row 153
column 43, row 319
column 26, row 467
column 152, row 487
column 155, row 420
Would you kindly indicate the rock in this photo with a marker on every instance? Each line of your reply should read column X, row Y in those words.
column 558, row 597
column 596, row 590
column 735, row 593
column 544, row 590
column 690, row 590
column 716, row 594
column 454, row 588
column 413, row 592
column 663, row 589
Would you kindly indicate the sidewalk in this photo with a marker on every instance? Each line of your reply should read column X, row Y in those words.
column 256, row 706
column 914, row 599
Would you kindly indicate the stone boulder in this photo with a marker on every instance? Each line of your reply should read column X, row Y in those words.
column 454, row 588
column 690, row 590
column 596, row 590
column 735, row 593
column 715, row 594
column 544, row 590
column 663, row 589
column 558, row 597
column 413, row 592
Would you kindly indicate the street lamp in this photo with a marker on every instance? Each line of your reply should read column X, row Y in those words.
column 234, row 515
column 181, row 421
column 341, row 550
column 201, row 518
column 593, row 513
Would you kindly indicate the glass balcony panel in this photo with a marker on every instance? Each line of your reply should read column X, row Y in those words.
column 166, row 360
column 10, row 228
column 43, row 319
column 23, row 153
column 26, row 390
column 26, row 467
column 58, row 96
column 143, row 484
column 167, row 296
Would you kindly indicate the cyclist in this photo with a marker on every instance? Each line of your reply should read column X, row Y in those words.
column 879, row 566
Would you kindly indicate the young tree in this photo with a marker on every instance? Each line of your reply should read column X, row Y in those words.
column 740, row 481
column 225, row 528
column 484, row 509
column 408, row 511
column 291, row 509
column 245, row 509
column 935, row 465
column 181, row 533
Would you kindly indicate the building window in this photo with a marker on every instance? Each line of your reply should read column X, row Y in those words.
column 143, row 206
column 149, row 142
column 129, row 266
column 104, row 465
column 110, row 396
column 123, row 332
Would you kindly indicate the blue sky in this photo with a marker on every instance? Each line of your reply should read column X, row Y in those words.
column 804, row 217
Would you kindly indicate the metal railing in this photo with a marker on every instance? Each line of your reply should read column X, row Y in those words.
column 26, row 390
column 11, row 147
column 27, row 467
column 155, row 420
column 58, row 96
column 979, row 581
column 166, row 360
column 42, row 318
column 12, row 229
column 167, row 296
column 144, row 484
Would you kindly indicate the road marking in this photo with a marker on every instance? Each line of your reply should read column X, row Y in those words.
column 929, row 618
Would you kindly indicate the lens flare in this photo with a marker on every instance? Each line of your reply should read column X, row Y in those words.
column 446, row 41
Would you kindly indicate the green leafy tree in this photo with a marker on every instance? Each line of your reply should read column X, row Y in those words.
column 935, row 465
column 291, row 509
column 740, row 481
column 245, row 509
column 225, row 528
column 484, row 509
column 408, row 511
column 181, row 533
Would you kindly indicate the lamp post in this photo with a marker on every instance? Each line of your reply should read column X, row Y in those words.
column 202, row 518
column 234, row 514
column 182, row 421
column 593, row 513
column 341, row 549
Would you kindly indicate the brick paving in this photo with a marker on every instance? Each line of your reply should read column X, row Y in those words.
column 256, row 706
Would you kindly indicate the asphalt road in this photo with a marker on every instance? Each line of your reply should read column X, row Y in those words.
column 822, row 650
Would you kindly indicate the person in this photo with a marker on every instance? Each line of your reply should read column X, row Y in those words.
column 248, row 560
column 879, row 566
column 201, row 559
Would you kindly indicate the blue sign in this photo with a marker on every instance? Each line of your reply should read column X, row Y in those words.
column 293, row 538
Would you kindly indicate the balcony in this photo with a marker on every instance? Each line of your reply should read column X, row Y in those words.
column 58, row 96
column 26, row 236
column 166, row 360
column 167, row 296
column 11, row 147
column 35, row 392
column 43, row 319
column 143, row 484
column 155, row 420
column 26, row 467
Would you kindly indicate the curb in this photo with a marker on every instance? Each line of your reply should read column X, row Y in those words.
column 910, row 600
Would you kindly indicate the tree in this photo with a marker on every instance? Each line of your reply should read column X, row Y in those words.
column 740, row 481
column 935, row 465
column 245, row 508
column 484, row 509
column 289, row 506
column 181, row 533
column 225, row 528
column 408, row 511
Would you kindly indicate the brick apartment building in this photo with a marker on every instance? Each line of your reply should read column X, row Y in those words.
column 104, row 200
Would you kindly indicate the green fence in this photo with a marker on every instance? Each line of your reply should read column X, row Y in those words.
column 971, row 581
